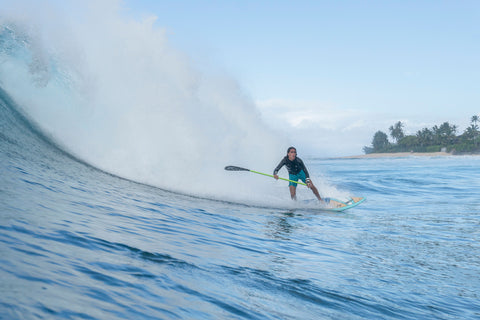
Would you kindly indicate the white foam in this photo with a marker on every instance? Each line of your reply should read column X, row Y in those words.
column 115, row 93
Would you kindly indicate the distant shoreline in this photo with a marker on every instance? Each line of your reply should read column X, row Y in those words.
column 403, row 155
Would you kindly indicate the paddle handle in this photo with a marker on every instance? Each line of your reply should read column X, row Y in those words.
column 269, row 175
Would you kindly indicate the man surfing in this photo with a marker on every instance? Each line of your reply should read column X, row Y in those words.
column 296, row 170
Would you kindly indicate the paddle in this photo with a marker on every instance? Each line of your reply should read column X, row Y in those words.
column 233, row 168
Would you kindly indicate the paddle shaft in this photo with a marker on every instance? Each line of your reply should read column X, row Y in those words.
column 269, row 175
column 235, row 168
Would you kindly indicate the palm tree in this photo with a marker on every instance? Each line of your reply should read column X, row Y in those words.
column 470, row 133
column 474, row 127
column 396, row 131
column 425, row 137
column 445, row 134
column 474, row 122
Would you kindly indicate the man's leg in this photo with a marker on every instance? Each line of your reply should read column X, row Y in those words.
column 315, row 192
column 293, row 192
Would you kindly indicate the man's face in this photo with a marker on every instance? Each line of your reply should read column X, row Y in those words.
column 292, row 154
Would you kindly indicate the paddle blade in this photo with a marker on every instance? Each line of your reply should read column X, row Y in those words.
column 233, row 168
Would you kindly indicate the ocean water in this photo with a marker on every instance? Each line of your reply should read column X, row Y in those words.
column 79, row 243
column 114, row 203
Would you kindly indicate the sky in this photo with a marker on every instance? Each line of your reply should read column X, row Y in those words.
column 328, row 74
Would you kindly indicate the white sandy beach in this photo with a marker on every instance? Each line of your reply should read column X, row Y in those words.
column 401, row 154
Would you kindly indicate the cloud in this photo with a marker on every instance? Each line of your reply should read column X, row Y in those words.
column 301, row 114
column 320, row 128
column 325, row 129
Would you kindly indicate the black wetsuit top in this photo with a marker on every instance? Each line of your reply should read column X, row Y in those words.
column 293, row 167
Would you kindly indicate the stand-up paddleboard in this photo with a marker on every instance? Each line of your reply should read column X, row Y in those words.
column 335, row 205
column 328, row 204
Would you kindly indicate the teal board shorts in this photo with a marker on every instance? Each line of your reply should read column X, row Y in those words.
column 296, row 177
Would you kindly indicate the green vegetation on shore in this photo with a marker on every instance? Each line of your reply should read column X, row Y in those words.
column 437, row 138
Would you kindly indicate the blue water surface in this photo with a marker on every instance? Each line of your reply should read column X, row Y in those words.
column 78, row 243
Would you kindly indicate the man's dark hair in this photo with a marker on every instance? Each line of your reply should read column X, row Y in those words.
column 291, row 149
